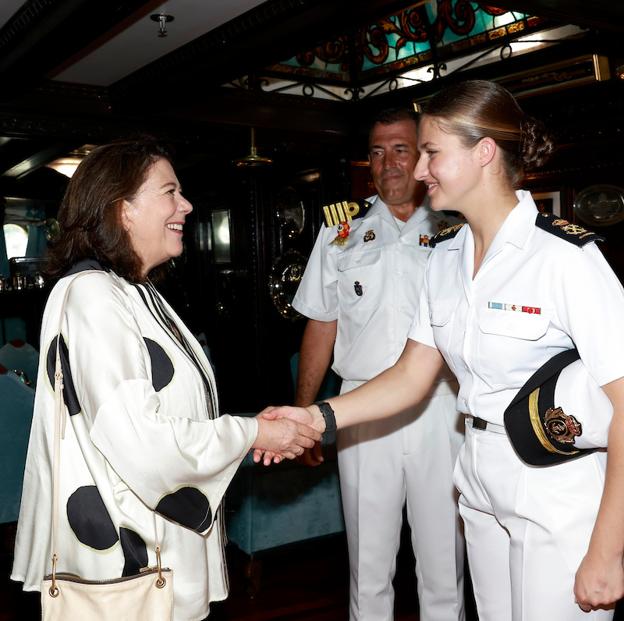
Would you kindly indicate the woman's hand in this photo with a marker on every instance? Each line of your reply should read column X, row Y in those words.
column 599, row 582
column 599, row 579
column 281, row 436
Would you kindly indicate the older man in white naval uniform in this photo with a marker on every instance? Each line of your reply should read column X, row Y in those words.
column 360, row 293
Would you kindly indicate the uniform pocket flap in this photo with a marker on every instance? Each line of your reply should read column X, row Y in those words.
column 513, row 324
column 440, row 312
column 360, row 259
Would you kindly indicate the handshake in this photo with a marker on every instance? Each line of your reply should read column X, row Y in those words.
column 285, row 432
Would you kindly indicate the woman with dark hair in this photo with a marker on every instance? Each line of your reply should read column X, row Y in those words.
column 511, row 300
column 146, row 458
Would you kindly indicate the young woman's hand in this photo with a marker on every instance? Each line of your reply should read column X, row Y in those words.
column 280, row 436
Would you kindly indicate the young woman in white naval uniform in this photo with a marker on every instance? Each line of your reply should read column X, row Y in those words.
column 503, row 294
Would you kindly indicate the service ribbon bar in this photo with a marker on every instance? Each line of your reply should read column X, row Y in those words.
column 516, row 308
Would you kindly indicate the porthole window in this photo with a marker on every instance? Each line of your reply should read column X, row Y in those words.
column 16, row 239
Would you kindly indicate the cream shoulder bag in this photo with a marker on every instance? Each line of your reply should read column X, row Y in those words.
column 147, row 596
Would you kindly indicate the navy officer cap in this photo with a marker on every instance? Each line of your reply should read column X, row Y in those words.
column 561, row 413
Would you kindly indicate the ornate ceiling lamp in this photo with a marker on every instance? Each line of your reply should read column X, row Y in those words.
column 252, row 159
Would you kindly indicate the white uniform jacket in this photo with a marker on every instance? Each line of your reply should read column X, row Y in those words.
column 534, row 296
column 140, row 450
column 371, row 285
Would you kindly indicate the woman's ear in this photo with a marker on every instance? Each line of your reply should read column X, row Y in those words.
column 486, row 150
column 125, row 211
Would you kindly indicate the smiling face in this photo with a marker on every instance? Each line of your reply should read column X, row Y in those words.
column 154, row 217
column 451, row 171
column 393, row 154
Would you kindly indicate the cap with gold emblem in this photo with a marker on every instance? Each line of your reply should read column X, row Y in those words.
column 561, row 413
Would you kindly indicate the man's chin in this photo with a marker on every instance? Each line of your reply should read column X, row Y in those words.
column 394, row 198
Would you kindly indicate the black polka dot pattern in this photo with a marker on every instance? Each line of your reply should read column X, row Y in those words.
column 189, row 507
column 69, row 392
column 162, row 367
column 89, row 518
column 134, row 551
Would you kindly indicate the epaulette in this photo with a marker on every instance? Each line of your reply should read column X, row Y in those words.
column 573, row 233
column 344, row 211
column 447, row 233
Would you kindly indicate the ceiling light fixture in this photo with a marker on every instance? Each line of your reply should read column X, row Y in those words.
column 253, row 159
column 163, row 19
column 65, row 165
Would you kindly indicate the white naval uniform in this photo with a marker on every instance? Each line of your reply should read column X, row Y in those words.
column 140, row 450
column 527, row 528
column 408, row 459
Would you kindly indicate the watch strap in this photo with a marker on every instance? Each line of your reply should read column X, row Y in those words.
column 329, row 435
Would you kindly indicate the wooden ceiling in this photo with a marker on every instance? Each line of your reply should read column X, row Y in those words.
column 180, row 94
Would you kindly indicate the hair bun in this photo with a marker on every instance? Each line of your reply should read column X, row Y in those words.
column 536, row 144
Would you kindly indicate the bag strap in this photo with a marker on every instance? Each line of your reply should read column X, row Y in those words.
column 60, row 421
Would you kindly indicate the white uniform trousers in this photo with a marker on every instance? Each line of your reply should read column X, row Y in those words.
column 527, row 528
column 407, row 459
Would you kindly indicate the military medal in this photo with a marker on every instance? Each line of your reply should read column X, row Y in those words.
column 343, row 234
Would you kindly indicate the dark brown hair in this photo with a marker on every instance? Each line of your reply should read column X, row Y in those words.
column 90, row 213
column 477, row 109
column 393, row 115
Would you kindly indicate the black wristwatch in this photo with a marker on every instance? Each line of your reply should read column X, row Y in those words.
column 329, row 435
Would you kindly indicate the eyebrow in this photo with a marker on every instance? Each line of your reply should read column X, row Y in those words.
column 392, row 146
column 169, row 183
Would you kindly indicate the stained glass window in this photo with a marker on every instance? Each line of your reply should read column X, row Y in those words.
column 424, row 41
column 448, row 28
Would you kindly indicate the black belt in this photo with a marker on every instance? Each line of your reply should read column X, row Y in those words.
column 482, row 425
column 479, row 423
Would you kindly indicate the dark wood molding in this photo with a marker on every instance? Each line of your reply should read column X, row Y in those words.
column 44, row 33
column 16, row 29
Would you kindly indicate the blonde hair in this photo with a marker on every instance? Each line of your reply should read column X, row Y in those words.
column 476, row 109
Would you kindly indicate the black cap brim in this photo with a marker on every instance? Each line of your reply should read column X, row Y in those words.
column 525, row 415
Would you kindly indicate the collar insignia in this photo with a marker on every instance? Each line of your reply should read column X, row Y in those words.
column 444, row 234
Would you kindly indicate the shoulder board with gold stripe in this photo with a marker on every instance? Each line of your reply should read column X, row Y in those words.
column 573, row 233
column 444, row 234
column 344, row 211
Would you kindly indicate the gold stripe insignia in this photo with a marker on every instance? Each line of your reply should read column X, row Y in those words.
column 344, row 211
